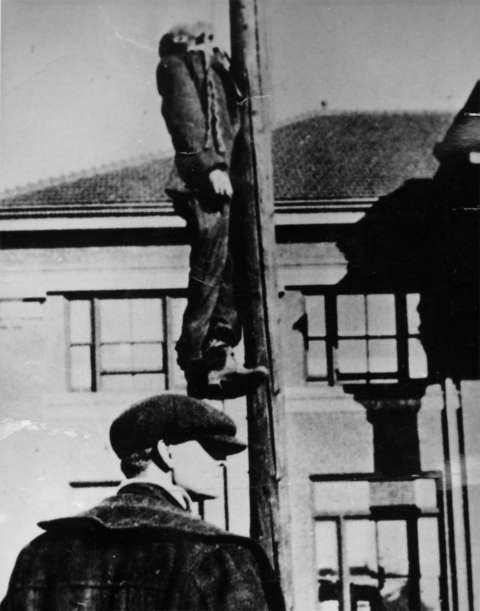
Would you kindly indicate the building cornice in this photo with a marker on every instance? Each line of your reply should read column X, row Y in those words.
column 136, row 215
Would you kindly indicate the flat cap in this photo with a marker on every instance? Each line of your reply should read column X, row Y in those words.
column 174, row 419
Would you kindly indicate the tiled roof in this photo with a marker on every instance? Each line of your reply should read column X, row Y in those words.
column 323, row 156
column 355, row 155
column 135, row 187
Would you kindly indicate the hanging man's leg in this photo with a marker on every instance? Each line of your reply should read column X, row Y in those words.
column 225, row 323
column 226, row 377
column 208, row 232
column 211, row 325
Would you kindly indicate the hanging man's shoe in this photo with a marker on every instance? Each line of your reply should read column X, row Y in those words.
column 226, row 379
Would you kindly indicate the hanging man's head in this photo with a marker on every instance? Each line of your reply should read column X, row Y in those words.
column 179, row 39
column 179, row 435
column 204, row 36
column 188, row 37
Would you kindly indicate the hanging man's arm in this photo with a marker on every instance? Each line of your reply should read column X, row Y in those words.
column 183, row 113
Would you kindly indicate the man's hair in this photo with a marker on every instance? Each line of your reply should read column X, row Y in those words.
column 135, row 463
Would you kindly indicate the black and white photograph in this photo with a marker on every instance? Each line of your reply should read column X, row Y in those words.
column 239, row 305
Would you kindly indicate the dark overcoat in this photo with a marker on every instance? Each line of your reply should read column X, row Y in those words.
column 139, row 551
column 200, row 107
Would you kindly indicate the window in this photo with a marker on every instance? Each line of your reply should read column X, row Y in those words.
column 377, row 556
column 118, row 343
column 363, row 337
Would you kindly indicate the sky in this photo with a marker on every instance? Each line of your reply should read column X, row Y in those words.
column 78, row 76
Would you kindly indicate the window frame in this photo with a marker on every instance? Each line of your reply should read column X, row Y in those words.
column 96, row 370
column 411, row 514
column 332, row 337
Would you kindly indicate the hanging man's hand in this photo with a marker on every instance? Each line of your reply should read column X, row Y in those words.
column 220, row 181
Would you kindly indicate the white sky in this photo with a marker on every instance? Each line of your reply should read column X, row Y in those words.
column 78, row 84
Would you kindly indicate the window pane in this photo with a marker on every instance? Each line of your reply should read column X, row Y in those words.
column 116, row 382
column 115, row 357
column 147, row 356
column 352, row 356
column 317, row 359
column 80, row 322
column 417, row 359
column 240, row 352
column 326, row 546
column 361, row 551
column 425, row 493
column 114, row 320
column 429, row 547
column 429, row 552
column 351, row 315
column 176, row 308
column 315, row 308
column 149, row 381
column 381, row 314
column 413, row 317
column 177, row 377
column 382, row 355
column 80, row 368
column 392, row 547
column 147, row 319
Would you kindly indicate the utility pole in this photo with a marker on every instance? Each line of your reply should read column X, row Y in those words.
column 269, row 514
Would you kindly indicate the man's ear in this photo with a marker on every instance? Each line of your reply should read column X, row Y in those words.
column 165, row 455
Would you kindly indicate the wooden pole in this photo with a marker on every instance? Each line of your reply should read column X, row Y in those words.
column 269, row 514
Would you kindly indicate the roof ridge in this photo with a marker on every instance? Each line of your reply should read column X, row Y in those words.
column 90, row 172
column 329, row 112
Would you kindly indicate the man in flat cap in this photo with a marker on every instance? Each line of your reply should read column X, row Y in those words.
column 141, row 549
column 200, row 105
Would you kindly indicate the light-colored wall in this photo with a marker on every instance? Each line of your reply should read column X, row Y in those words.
column 34, row 271
column 327, row 433
column 50, row 436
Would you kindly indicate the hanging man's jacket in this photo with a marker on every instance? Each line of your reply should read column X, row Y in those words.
column 200, row 107
column 139, row 551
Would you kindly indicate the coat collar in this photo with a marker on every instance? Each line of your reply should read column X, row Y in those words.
column 137, row 506
column 171, row 492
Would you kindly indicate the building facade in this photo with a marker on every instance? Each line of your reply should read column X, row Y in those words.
column 378, row 274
